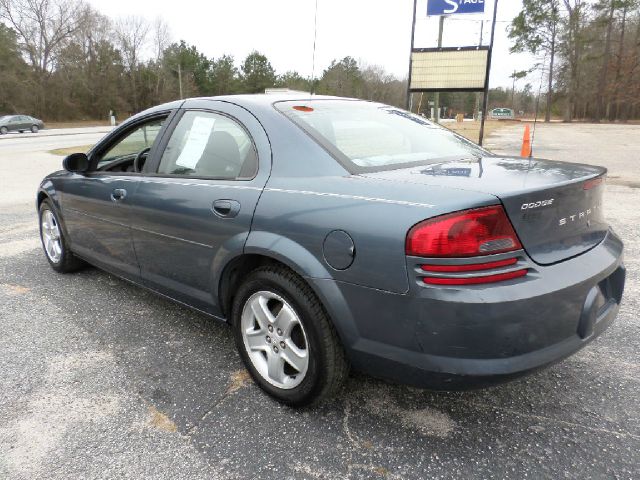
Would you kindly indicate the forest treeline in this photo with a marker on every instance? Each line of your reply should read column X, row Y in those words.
column 589, row 51
column 63, row 60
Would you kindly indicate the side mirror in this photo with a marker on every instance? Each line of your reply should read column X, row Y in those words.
column 76, row 163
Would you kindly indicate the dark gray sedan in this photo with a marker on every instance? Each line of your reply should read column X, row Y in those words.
column 20, row 123
column 334, row 233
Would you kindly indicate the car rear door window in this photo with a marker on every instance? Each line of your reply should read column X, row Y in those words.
column 211, row 145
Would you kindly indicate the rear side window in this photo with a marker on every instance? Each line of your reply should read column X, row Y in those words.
column 370, row 137
column 207, row 144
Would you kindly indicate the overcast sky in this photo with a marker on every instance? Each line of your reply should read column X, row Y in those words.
column 372, row 31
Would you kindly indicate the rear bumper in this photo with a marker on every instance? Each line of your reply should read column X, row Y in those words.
column 453, row 338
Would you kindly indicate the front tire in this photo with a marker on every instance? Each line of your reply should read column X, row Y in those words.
column 285, row 338
column 34, row 129
column 4, row 130
column 55, row 246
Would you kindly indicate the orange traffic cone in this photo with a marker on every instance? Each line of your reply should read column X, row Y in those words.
column 526, row 143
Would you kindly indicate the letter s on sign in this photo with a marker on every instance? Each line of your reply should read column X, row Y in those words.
column 454, row 6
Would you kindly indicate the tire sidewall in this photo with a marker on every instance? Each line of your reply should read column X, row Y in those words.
column 34, row 129
column 269, row 280
column 4, row 130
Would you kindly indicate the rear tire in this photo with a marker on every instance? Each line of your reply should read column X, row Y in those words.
column 299, row 364
column 34, row 129
column 54, row 243
column 4, row 130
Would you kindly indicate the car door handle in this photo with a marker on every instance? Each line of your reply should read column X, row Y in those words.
column 226, row 208
column 118, row 195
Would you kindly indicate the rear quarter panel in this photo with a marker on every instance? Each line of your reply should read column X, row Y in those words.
column 376, row 214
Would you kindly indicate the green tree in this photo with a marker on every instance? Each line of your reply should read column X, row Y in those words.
column 526, row 98
column 224, row 76
column 257, row 73
column 294, row 81
column 535, row 30
column 342, row 78
column 191, row 69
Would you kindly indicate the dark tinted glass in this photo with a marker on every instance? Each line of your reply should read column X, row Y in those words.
column 206, row 144
column 370, row 136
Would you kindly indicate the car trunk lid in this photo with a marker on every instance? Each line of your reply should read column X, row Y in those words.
column 555, row 207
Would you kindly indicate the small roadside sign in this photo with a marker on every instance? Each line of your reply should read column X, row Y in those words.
column 453, row 7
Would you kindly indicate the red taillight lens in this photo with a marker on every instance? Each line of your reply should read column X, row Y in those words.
column 498, row 277
column 474, row 267
column 593, row 183
column 469, row 233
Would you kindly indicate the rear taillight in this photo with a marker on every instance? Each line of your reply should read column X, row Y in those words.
column 472, row 267
column 469, row 233
column 593, row 183
column 498, row 277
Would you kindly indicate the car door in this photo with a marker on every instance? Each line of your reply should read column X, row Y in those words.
column 96, row 205
column 15, row 124
column 195, row 211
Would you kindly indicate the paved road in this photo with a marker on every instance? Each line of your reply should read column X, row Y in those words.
column 56, row 132
column 99, row 379
column 24, row 159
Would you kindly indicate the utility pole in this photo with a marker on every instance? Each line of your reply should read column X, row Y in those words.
column 413, row 35
column 313, row 62
column 476, row 108
column 485, row 101
column 436, row 102
column 513, row 92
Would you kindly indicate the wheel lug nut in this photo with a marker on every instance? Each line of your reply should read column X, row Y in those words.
column 270, row 328
column 279, row 332
column 275, row 349
column 282, row 345
column 268, row 339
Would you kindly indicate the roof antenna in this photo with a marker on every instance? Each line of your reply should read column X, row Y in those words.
column 535, row 121
column 313, row 67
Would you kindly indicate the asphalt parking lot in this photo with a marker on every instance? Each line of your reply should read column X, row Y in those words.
column 100, row 379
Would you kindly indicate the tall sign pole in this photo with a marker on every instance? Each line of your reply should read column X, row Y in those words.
column 436, row 103
column 485, row 100
column 413, row 34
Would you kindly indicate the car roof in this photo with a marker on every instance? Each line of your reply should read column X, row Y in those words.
column 248, row 100
column 270, row 98
column 252, row 102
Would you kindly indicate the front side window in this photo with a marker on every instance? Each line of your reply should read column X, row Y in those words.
column 206, row 144
column 128, row 147
column 370, row 137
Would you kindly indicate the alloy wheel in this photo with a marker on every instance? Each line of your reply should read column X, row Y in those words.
column 275, row 340
column 51, row 236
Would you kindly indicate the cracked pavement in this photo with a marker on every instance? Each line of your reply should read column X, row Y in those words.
column 101, row 379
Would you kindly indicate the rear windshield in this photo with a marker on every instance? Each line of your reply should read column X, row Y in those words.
column 372, row 137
